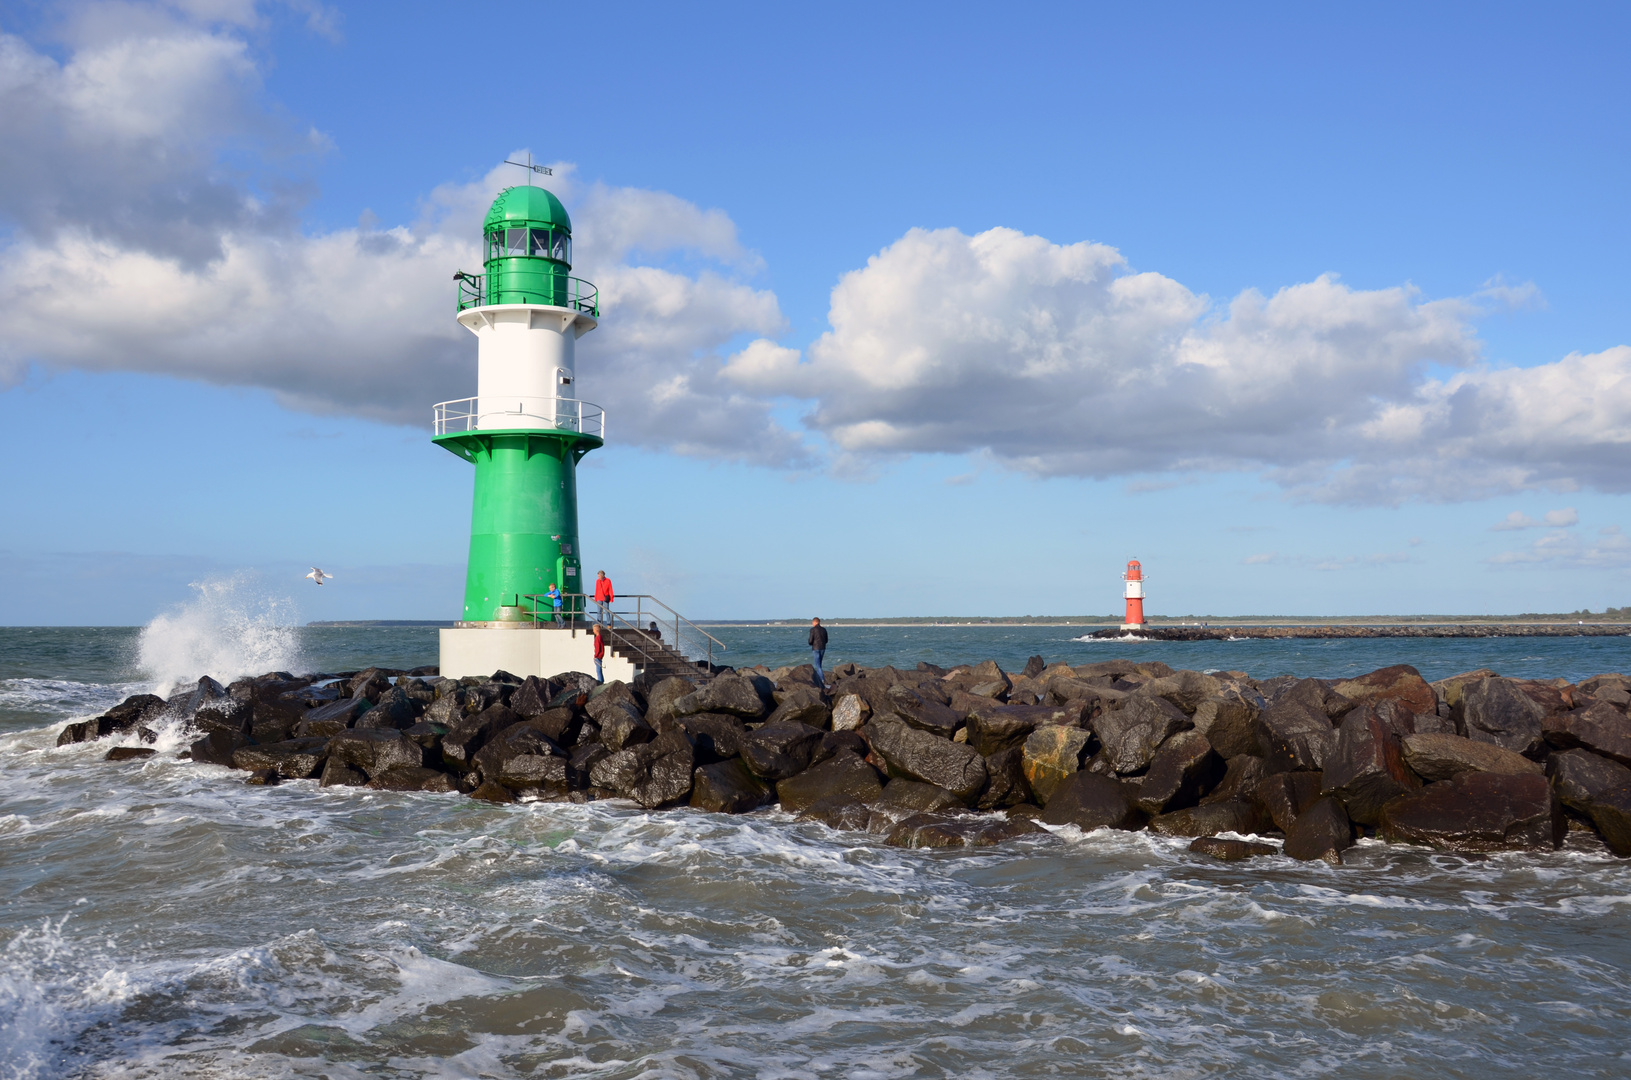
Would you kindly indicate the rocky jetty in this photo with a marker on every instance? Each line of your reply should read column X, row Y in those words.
column 967, row 757
column 1338, row 630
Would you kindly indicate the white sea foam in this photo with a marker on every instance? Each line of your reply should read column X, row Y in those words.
column 230, row 629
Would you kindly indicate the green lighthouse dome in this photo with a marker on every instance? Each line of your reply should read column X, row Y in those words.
column 529, row 253
column 527, row 205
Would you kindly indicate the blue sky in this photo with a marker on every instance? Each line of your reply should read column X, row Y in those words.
column 911, row 309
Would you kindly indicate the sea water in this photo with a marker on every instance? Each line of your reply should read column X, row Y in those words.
column 163, row 919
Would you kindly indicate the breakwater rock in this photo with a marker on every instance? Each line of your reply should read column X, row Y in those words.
column 969, row 756
column 1403, row 630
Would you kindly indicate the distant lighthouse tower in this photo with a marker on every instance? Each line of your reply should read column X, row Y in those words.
column 1135, row 596
column 525, row 432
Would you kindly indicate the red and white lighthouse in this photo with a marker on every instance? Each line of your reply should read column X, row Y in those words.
column 1134, row 577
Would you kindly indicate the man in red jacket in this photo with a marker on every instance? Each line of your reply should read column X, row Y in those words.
column 604, row 596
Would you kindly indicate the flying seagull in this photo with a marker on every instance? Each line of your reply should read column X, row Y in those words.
column 318, row 575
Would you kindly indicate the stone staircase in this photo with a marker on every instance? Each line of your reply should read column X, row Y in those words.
column 654, row 656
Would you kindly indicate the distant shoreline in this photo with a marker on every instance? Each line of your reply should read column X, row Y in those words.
column 1159, row 628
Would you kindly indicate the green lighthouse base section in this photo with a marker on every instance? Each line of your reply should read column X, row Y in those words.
column 524, row 518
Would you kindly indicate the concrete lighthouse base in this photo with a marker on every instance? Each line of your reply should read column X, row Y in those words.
column 526, row 650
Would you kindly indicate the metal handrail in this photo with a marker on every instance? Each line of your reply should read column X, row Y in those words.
column 574, row 604
column 561, row 414
column 580, row 295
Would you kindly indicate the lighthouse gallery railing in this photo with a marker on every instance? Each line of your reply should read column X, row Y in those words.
column 565, row 291
column 498, row 414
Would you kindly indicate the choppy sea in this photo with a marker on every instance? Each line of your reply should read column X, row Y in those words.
column 163, row 919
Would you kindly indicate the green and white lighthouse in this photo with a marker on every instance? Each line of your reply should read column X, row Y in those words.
column 525, row 432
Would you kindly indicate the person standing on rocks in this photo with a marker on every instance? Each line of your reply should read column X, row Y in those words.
column 604, row 597
column 818, row 648
column 600, row 653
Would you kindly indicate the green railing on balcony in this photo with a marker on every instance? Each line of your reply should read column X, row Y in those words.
column 556, row 290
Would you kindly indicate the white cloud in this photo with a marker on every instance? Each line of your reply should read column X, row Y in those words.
column 196, row 276
column 1553, row 518
column 1570, row 551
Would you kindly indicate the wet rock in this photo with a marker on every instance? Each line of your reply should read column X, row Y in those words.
column 531, row 697
column 373, row 751
column 1005, row 783
column 1185, row 689
column 1227, row 815
column 737, row 695
column 494, row 792
column 1241, row 776
column 1286, row 796
column 1442, row 757
column 1599, row 727
column 922, row 712
column 369, row 684
column 1183, row 769
column 838, row 742
column 517, row 740
column 805, row 708
column 394, row 711
column 329, row 720
column 843, row 778
column 727, row 787
column 778, row 751
column 546, row 772
column 1478, row 812
column 653, row 774
column 661, row 698
column 450, row 708
column 1600, row 789
column 1230, row 850
column 1294, row 737
column 1034, row 667
column 1228, row 721
column 293, row 759
column 411, row 778
column 1131, row 733
column 917, row 755
column 1400, row 683
column 849, row 712
column 582, row 762
column 918, row 797
column 939, row 831
column 263, row 778
column 1510, row 713
column 468, row 735
column 621, row 727
column 1366, row 769
column 1091, row 801
column 716, row 736
column 838, row 812
column 217, row 747
column 993, row 727
column 338, row 774
column 1050, row 754
column 428, row 735
column 129, row 753
column 1320, row 832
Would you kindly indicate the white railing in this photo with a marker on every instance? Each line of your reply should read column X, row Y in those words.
column 497, row 414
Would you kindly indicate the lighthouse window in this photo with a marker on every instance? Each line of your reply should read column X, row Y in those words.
column 515, row 241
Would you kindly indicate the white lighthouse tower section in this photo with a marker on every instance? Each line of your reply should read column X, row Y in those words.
column 526, row 373
column 1135, row 590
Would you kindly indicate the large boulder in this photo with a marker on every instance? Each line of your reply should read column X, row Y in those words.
column 1227, row 815
column 1598, row 788
column 469, row 734
column 662, row 696
column 728, row 787
column 993, row 727
column 738, row 695
column 1050, row 754
column 1400, row 683
column 778, row 751
column 1005, row 782
column 1366, row 769
column 1185, row 689
column 1436, row 756
column 845, row 777
column 801, row 705
column 1599, row 727
column 394, row 711
column 295, row 759
column 1286, row 796
column 1478, row 812
column 410, row 778
column 1230, row 850
column 917, row 755
column 1090, row 801
column 521, row 738
column 217, row 747
column 922, row 711
column 1228, row 720
column 943, row 831
column 653, row 774
column 1131, row 733
column 716, row 736
column 621, row 726
column 373, row 751
column 850, row 712
column 914, row 796
column 1241, row 776
column 1292, row 736
column 1184, row 768
column 1510, row 713
column 546, row 772
column 1320, row 832
column 331, row 719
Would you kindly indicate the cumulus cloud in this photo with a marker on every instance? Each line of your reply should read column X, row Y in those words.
column 184, row 268
column 1058, row 360
column 1611, row 550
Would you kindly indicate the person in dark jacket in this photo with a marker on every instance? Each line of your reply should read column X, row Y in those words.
column 818, row 648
